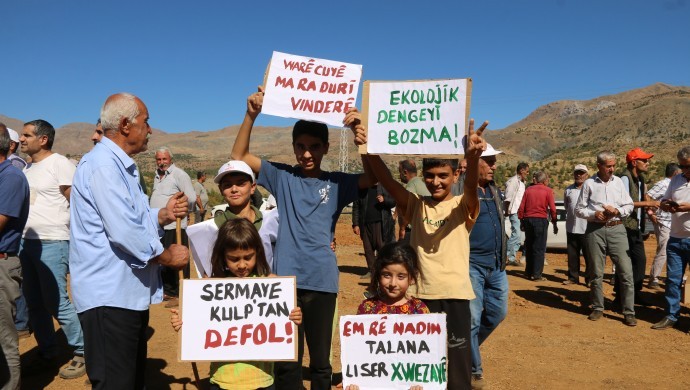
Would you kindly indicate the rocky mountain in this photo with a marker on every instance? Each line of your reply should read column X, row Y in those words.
column 554, row 137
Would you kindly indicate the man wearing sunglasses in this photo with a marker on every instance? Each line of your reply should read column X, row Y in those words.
column 676, row 200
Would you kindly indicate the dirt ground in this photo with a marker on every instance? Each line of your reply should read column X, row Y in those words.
column 546, row 342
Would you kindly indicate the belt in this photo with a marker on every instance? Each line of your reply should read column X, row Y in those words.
column 610, row 223
column 4, row 255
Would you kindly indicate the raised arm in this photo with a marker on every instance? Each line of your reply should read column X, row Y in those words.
column 473, row 151
column 353, row 120
column 240, row 150
column 374, row 168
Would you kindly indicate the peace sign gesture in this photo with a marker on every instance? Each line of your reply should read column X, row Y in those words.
column 476, row 144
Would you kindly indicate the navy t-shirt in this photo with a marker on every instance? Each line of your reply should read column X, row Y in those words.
column 309, row 210
column 486, row 235
column 14, row 203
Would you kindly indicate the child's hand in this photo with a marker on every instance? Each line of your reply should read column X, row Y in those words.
column 296, row 315
column 254, row 103
column 417, row 387
column 175, row 320
column 353, row 120
column 476, row 144
column 352, row 387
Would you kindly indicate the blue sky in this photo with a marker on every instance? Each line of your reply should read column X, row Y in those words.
column 195, row 62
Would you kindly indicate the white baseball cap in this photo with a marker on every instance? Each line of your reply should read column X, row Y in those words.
column 234, row 166
column 580, row 167
column 490, row 151
column 14, row 137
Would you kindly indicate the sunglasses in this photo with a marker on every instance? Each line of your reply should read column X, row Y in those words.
column 683, row 166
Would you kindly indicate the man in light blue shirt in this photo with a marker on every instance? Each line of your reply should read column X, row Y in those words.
column 115, row 251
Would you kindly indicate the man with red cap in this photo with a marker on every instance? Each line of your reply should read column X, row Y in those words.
column 633, row 178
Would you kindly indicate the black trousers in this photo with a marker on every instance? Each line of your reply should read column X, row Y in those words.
column 318, row 309
column 372, row 240
column 535, row 245
column 170, row 276
column 115, row 347
column 576, row 246
column 637, row 257
column 459, row 324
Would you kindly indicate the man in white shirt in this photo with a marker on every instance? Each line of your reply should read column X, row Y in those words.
column 575, row 227
column 515, row 189
column 167, row 181
column 662, row 224
column 604, row 201
column 676, row 200
column 44, row 252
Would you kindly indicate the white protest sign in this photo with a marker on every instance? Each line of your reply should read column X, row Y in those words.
column 416, row 117
column 238, row 319
column 394, row 351
column 310, row 88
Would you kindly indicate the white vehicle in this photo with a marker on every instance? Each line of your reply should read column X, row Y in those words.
column 553, row 241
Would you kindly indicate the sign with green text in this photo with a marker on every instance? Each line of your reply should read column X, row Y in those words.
column 394, row 351
column 425, row 117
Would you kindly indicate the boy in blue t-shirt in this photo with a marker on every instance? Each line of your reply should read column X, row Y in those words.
column 310, row 201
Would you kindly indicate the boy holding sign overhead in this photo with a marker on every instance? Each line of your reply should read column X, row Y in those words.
column 310, row 201
column 441, row 224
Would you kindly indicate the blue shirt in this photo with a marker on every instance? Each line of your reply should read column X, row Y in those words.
column 309, row 210
column 14, row 203
column 486, row 236
column 114, row 234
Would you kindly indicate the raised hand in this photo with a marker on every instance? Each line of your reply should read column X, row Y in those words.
column 476, row 143
column 254, row 103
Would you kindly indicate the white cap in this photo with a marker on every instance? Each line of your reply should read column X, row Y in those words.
column 233, row 166
column 580, row 167
column 490, row 151
column 14, row 137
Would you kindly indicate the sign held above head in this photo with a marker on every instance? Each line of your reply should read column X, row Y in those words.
column 422, row 117
column 309, row 88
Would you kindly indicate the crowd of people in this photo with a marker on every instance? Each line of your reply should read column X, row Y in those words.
column 124, row 250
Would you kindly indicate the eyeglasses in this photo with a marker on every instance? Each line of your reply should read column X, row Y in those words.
column 643, row 160
column 683, row 166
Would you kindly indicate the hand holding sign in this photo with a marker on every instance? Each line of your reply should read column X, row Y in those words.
column 255, row 102
column 476, row 144
column 353, row 120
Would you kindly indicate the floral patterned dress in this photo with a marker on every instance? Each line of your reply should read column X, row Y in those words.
column 375, row 306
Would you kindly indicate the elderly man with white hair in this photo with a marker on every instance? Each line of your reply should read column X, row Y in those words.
column 168, row 180
column 115, row 249
column 604, row 201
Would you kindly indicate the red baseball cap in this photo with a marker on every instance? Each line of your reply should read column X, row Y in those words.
column 637, row 154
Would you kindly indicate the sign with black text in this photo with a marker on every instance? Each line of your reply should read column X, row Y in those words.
column 238, row 319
